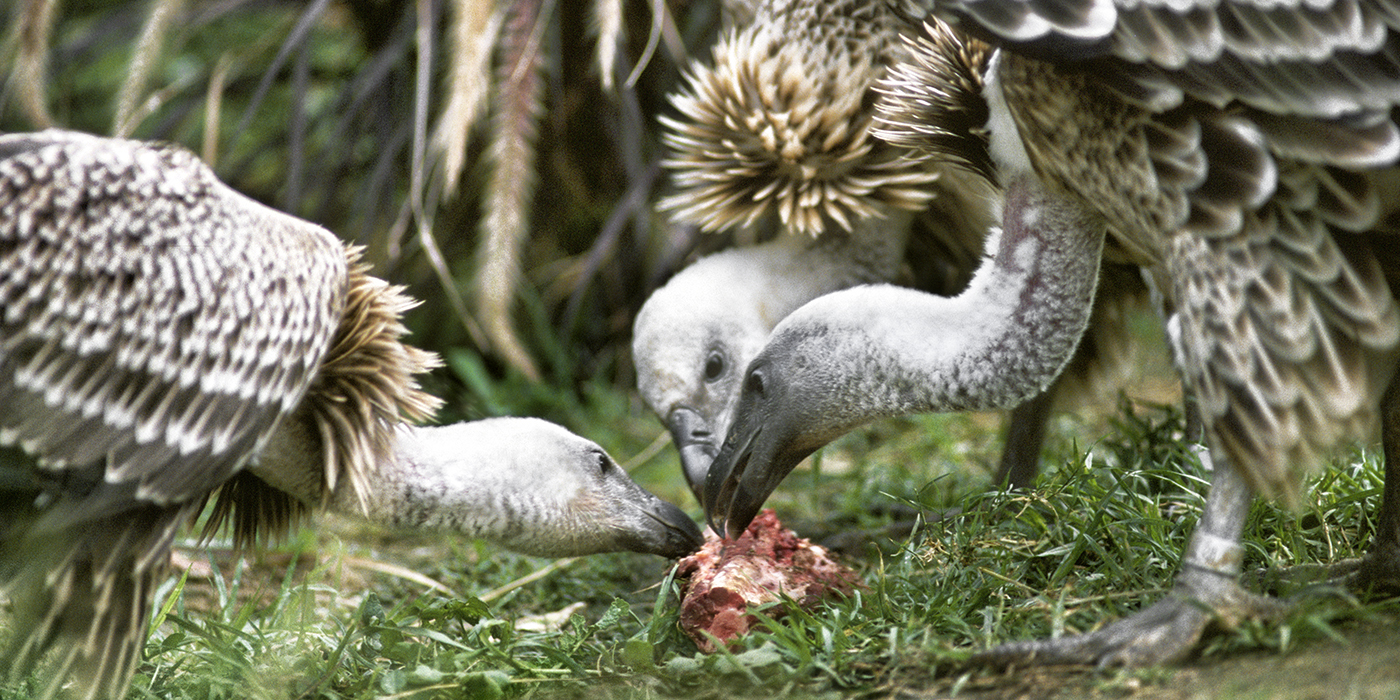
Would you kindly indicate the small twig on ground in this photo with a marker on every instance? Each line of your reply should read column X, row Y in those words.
column 527, row 579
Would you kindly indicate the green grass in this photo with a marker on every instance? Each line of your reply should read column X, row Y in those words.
column 329, row 616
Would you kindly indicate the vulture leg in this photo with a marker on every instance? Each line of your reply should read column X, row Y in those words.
column 1381, row 567
column 1206, row 591
column 1025, row 436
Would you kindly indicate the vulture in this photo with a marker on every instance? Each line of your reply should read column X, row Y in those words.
column 1245, row 151
column 167, row 343
column 781, row 127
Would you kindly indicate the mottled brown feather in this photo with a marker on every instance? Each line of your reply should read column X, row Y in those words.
column 157, row 330
column 1249, row 147
column 783, row 127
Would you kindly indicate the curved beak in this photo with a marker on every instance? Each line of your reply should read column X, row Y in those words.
column 722, row 486
column 670, row 533
column 745, row 472
column 695, row 441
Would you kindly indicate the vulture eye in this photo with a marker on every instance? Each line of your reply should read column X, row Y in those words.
column 754, row 384
column 714, row 366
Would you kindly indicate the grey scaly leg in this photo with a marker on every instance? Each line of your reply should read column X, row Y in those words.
column 1206, row 591
column 1381, row 567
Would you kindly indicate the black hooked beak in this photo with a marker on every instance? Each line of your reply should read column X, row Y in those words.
column 764, row 444
column 696, row 444
column 667, row 531
column 724, row 508
column 746, row 471
column 677, row 535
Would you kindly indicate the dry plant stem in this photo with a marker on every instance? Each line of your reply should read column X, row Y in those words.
column 33, row 33
column 182, row 561
column 511, row 186
column 143, row 61
column 658, row 20
column 528, row 579
column 609, row 32
column 416, row 206
column 474, row 27
column 213, row 107
column 401, row 572
column 298, row 36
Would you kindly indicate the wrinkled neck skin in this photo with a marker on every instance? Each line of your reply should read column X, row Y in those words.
column 880, row 351
column 1010, row 333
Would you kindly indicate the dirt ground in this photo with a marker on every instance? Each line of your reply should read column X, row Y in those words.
column 1364, row 665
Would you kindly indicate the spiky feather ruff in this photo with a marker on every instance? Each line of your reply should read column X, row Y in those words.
column 933, row 101
column 362, row 390
column 784, row 126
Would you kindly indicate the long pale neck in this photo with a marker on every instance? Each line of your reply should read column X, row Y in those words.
column 1004, row 339
column 430, row 479
column 428, row 482
column 1032, row 302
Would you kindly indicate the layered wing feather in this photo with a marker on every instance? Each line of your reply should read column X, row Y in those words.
column 154, row 323
column 1327, row 59
column 1249, row 145
column 155, row 326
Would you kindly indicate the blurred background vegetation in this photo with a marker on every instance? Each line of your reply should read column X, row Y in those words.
column 499, row 157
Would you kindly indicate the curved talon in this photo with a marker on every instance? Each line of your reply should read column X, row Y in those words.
column 1164, row 633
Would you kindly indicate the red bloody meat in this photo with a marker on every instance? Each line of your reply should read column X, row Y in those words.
column 727, row 578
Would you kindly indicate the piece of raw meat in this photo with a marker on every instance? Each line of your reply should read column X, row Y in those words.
column 728, row 577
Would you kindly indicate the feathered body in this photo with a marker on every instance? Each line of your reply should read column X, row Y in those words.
column 1246, row 151
column 165, row 341
column 1243, row 151
column 140, row 340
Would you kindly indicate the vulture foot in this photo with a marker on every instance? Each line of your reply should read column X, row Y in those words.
column 1290, row 580
column 1379, row 571
column 1163, row 633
